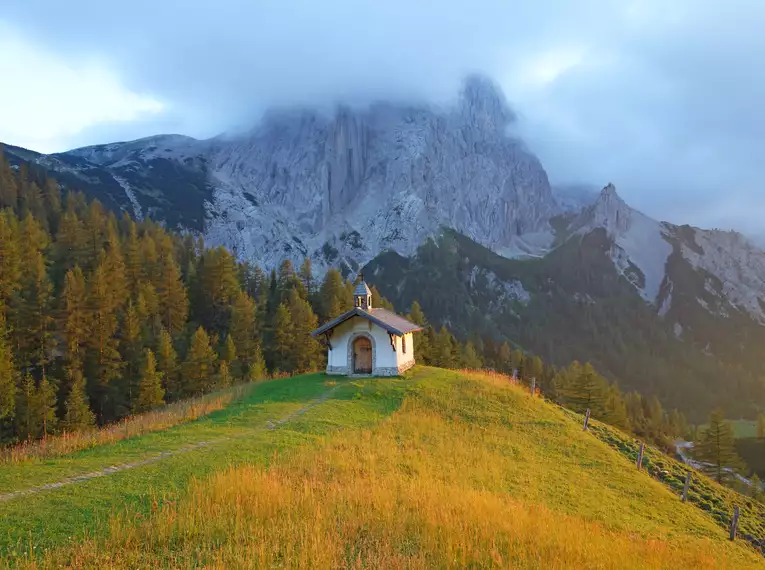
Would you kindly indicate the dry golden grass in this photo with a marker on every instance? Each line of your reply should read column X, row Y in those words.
column 157, row 420
column 468, row 474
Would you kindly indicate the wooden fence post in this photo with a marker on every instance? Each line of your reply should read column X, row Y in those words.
column 734, row 522
column 687, row 485
column 640, row 456
column 586, row 419
column 533, row 385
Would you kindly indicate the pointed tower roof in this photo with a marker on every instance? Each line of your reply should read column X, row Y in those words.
column 361, row 288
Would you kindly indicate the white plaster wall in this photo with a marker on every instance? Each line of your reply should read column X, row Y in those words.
column 384, row 356
column 409, row 356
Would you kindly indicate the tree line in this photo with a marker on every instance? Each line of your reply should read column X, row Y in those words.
column 102, row 317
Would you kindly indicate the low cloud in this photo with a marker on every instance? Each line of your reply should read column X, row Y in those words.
column 660, row 98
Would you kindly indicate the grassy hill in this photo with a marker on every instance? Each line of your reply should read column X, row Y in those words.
column 438, row 469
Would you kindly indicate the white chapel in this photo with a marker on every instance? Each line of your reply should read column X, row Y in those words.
column 368, row 341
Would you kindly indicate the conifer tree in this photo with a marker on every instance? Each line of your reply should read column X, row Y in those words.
column 77, row 415
column 198, row 370
column 7, row 377
column 36, row 409
column 257, row 369
column 717, row 448
column 224, row 376
column 615, row 410
column 470, row 357
column 757, row 492
column 104, row 360
column 74, row 327
column 305, row 353
column 283, row 339
column 306, row 277
column 761, row 425
column 167, row 365
column 586, row 390
column 243, row 331
column 228, row 351
column 10, row 260
column 219, row 284
column 423, row 345
column 131, row 351
column 150, row 392
column 332, row 295
column 36, row 336
column 505, row 357
column 442, row 351
column 171, row 295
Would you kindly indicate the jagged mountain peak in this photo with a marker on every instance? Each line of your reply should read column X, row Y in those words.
column 483, row 104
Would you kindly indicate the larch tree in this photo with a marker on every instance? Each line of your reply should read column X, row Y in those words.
column 198, row 370
column 470, row 358
column 77, row 413
column 104, row 361
column 243, row 331
column 151, row 395
column 717, row 448
column 7, row 378
column 306, row 350
column 36, row 326
column 167, row 364
column 171, row 296
column 332, row 295
column 74, row 325
column 283, row 339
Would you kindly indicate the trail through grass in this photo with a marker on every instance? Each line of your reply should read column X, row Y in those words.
column 468, row 473
column 66, row 514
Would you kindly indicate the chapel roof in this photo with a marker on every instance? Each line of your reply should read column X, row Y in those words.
column 390, row 321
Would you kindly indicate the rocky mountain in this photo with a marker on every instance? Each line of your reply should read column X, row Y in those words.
column 339, row 188
column 445, row 207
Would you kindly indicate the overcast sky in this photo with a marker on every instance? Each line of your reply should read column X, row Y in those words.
column 661, row 97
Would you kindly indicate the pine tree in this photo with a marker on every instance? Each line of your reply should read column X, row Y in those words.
column 306, row 276
column 470, row 357
column 7, row 378
column 10, row 260
column 150, row 392
column 717, row 448
column 243, row 331
column 172, row 297
column 283, row 340
column 224, row 376
column 257, row 369
column 78, row 415
column 332, row 296
column 442, row 350
column 757, row 492
column 228, row 351
column 615, row 410
column 36, row 336
column 36, row 409
column 167, row 365
column 305, row 353
column 198, row 370
column 73, row 305
column 132, row 353
column 761, row 426
column 587, row 390
column 505, row 357
column 104, row 360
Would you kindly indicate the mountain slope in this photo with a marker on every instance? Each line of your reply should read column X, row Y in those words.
column 575, row 303
column 464, row 473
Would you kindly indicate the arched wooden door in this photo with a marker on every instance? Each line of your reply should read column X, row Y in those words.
column 362, row 356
